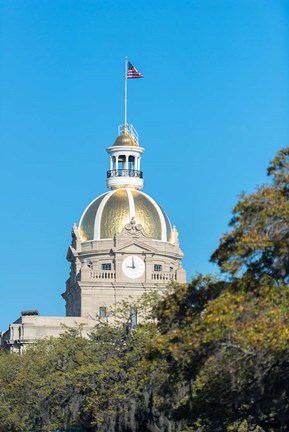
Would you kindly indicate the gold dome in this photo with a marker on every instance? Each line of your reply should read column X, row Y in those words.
column 110, row 212
column 125, row 140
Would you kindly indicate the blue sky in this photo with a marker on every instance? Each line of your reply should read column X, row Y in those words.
column 211, row 111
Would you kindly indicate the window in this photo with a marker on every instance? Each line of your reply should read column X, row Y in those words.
column 106, row 266
column 102, row 312
column 133, row 317
column 171, row 269
column 157, row 267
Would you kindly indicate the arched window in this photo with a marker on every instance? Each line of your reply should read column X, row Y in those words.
column 121, row 162
column 131, row 164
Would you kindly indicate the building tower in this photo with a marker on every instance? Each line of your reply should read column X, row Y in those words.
column 124, row 244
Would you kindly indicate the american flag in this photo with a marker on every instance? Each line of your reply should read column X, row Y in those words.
column 132, row 72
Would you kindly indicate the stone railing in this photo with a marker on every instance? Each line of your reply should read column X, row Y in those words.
column 102, row 274
column 110, row 275
column 161, row 276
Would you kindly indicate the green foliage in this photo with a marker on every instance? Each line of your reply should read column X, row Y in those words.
column 99, row 383
column 257, row 247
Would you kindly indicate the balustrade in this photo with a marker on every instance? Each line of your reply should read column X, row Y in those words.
column 124, row 173
column 110, row 275
column 164, row 276
column 106, row 274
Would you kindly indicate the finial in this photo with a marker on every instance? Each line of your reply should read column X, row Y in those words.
column 174, row 238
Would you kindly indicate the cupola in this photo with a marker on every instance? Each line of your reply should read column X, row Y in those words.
column 125, row 156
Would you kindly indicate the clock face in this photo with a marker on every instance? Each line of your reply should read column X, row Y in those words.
column 133, row 266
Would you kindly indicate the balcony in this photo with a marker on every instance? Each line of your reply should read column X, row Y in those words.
column 124, row 173
column 162, row 276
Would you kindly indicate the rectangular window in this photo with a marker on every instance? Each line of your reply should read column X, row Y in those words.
column 102, row 312
column 157, row 267
column 171, row 269
column 106, row 266
column 133, row 317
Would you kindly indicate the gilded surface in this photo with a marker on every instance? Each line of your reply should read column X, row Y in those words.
column 125, row 140
column 86, row 228
column 115, row 214
column 147, row 215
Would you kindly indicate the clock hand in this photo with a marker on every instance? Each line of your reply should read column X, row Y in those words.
column 132, row 261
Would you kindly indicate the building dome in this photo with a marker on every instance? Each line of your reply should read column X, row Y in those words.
column 110, row 212
column 126, row 140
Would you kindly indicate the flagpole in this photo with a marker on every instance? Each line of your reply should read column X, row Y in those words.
column 125, row 94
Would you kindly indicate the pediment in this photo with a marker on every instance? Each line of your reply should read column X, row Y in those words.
column 135, row 247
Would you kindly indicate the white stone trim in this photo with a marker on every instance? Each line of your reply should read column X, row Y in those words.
column 131, row 204
column 98, row 216
column 124, row 182
column 122, row 149
column 80, row 222
column 161, row 216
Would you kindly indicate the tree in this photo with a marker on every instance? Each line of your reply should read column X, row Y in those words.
column 257, row 247
column 98, row 383
column 227, row 341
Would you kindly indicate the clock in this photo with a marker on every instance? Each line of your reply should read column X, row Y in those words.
column 133, row 266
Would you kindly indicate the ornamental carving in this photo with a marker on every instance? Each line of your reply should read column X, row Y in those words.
column 133, row 229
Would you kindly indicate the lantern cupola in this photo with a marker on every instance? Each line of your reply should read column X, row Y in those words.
column 125, row 157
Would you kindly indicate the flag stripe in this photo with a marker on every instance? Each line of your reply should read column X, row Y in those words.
column 132, row 72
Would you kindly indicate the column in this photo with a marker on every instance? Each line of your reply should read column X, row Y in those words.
column 126, row 162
